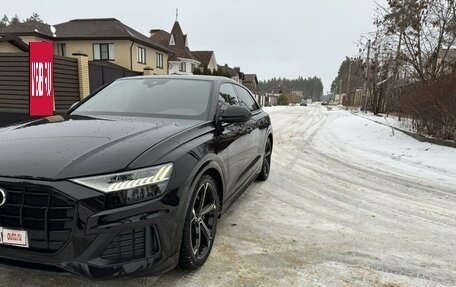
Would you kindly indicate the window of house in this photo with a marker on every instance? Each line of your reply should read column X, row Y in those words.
column 246, row 98
column 103, row 51
column 61, row 49
column 141, row 55
column 193, row 67
column 159, row 60
column 171, row 41
column 183, row 67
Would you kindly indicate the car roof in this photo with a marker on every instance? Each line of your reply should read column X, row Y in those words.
column 185, row 77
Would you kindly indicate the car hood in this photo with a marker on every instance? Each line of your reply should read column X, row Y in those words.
column 60, row 147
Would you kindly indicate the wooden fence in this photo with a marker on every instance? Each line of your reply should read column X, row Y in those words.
column 14, row 82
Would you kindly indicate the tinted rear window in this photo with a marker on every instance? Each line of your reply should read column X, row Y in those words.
column 171, row 98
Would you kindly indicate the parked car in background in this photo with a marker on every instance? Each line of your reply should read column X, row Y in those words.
column 132, row 178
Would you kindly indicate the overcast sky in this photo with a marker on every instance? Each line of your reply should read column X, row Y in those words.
column 281, row 38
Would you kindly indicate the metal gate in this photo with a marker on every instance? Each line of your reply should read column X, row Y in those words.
column 103, row 72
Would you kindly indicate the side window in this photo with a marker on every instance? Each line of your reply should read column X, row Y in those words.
column 246, row 98
column 227, row 96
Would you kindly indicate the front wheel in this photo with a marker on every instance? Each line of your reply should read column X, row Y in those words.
column 266, row 168
column 200, row 224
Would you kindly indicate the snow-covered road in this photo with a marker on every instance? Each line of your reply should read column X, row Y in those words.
column 346, row 204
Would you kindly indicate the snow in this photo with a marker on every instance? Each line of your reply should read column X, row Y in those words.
column 393, row 121
column 395, row 151
column 360, row 138
column 376, row 207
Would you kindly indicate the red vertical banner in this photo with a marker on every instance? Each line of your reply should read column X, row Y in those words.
column 41, row 78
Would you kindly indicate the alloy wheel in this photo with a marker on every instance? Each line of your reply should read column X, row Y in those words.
column 267, row 159
column 202, row 223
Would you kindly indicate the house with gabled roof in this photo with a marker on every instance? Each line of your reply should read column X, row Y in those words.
column 30, row 31
column 12, row 44
column 182, row 61
column 234, row 73
column 110, row 40
column 207, row 59
column 101, row 39
column 251, row 82
column 446, row 59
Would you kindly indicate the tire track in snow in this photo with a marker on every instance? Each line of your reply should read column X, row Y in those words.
column 396, row 199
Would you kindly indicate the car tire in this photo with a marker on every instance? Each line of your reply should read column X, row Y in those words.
column 200, row 224
column 266, row 167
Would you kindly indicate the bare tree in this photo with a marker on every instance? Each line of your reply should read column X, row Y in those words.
column 425, row 31
column 378, row 67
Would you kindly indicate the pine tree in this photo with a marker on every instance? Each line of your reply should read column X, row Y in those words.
column 4, row 22
column 14, row 20
column 34, row 18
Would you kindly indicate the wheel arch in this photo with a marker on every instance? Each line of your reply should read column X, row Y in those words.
column 271, row 137
column 213, row 168
column 209, row 165
column 214, row 173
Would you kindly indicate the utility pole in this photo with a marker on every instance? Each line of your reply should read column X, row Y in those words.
column 340, row 87
column 376, row 92
column 366, row 75
column 349, row 76
column 347, row 94
column 367, row 66
column 396, row 64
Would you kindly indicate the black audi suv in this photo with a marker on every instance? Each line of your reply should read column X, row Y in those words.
column 132, row 178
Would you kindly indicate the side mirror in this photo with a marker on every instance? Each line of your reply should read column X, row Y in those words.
column 236, row 114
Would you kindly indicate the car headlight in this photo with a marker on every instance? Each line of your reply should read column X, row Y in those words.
column 131, row 186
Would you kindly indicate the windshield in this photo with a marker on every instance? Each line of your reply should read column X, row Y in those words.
column 169, row 98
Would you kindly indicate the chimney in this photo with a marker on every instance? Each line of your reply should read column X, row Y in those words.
column 153, row 31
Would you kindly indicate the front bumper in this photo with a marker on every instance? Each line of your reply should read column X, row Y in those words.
column 69, row 227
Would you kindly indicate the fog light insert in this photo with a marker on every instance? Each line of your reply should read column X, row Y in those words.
column 126, row 245
column 132, row 244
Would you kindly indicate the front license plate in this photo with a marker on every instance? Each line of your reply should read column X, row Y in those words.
column 14, row 237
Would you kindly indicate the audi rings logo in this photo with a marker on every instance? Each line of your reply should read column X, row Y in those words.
column 2, row 197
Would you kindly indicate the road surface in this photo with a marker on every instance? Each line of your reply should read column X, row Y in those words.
column 327, row 216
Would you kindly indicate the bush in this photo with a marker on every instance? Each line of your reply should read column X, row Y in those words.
column 282, row 100
column 431, row 105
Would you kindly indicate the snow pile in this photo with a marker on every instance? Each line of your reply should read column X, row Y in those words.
column 359, row 137
column 394, row 121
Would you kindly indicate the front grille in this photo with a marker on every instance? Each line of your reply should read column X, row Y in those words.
column 132, row 244
column 44, row 213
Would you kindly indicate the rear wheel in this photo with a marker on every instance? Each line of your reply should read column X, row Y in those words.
column 200, row 224
column 266, row 168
